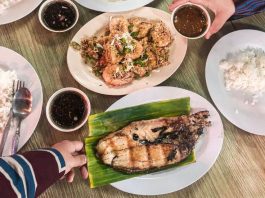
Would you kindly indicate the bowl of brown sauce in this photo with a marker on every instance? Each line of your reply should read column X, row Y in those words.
column 191, row 20
column 58, row 15
column 68, row 109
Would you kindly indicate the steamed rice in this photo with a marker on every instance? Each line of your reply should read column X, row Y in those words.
column 6, row 83
column 244, row 71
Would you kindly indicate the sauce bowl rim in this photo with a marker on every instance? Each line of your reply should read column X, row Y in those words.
column 50, row 102
column 204, row 10
column 46, row 3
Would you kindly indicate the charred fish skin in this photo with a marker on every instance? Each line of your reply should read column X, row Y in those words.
column 152, row 144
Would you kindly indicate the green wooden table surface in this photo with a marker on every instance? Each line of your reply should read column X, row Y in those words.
column 238, row 172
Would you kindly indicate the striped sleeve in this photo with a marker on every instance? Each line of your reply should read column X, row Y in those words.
column 29, row 174
column 248, row 7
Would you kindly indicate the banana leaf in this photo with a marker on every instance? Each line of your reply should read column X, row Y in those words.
column 110, row 121
column 103, row 123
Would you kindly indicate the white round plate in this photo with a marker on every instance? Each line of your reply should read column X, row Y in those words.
column 113, row 5
column 18, row 11
column 232, row 104
column 207, row 148
column 10, row 60
column 84, row 75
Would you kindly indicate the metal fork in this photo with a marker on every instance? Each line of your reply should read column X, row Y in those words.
column 15, row 87
column 19, row 85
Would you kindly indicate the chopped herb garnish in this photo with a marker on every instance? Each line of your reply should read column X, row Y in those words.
column 130, row 27
column 147, row 73
column 126, row 50
column 123, row 41
column 141, row 61
column 134, row 34
column 75, row 45
column 97, row 72
column 91, row 60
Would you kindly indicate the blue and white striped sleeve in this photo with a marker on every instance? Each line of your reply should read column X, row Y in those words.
column 29, row 174
column 248, row 7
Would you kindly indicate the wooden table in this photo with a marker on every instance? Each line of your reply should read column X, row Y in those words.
column 238, row 172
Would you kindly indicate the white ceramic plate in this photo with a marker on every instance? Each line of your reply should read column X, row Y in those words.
column 207, row 149
column 113, row 5
column 10, row 60
column 232, row 104
column 84, row 75
column 18, row 11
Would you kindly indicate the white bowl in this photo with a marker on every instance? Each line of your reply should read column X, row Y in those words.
column 49, row 2
column 206, row 13
column 50, row 102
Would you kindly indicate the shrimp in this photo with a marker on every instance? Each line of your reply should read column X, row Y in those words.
column 137, row 50
column 140, row 71
column 152, row 60
column 111, row 54
column 118, row 25
column 140, row 26
column 161, row 35
column 114, row 75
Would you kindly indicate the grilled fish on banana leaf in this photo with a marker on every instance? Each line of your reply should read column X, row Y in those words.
column 152, row 144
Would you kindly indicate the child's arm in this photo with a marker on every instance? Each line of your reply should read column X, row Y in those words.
column 31, row 173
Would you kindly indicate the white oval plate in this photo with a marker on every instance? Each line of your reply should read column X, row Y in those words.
column 231, row 104
column 18, row 11
column 113, row 5
column 84, row 75
column 207, row 148
column 10, row 60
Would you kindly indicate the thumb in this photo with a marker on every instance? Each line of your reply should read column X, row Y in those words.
column 78, row 160
column 217, row 24
column 175, row 4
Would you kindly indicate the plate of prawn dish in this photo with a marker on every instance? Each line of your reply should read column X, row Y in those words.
column 153, row 141
column 118, row 53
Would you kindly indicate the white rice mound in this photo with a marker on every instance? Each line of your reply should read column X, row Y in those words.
column 6, row 84
column 244, row 71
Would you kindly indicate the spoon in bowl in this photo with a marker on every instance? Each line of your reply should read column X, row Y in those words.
column 21, row 107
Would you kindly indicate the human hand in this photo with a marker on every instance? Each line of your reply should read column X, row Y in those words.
column 70, row 152
column 223, row 10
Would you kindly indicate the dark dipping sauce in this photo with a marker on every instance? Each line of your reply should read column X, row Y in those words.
column 59, row 15
column 68, row 109
column 190, row 21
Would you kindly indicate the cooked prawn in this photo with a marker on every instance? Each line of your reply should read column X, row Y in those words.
column 161, row 35
column 140, row 71
column 152, row 60
column 115, row 76
column 140, row 26
column 118, row 25
column 137, row 50
column 111, row 54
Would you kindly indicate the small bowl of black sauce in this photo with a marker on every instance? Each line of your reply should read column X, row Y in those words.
column 68, row 109
column 58, row 15
column 191, row 20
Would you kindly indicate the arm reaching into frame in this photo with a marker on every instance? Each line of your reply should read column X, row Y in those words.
column 31, row 173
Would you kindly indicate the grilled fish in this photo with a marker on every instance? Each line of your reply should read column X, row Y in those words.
column 152, row 144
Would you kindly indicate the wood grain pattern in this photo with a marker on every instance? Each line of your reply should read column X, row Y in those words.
column 238, row 172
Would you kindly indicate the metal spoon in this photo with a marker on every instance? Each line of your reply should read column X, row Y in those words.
column 22, row 106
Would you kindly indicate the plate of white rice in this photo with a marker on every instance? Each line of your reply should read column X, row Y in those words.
column 15, row 67
column 235, row 77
